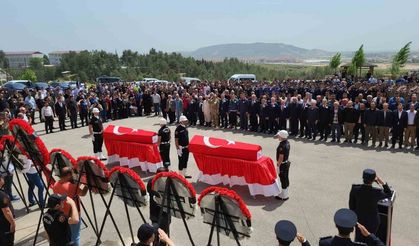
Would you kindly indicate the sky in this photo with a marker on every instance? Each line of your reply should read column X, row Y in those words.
column 186, row 25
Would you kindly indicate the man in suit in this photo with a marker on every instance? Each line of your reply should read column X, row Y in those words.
column 370, row 124
column 399, row 124
column 273, row 115
column 243, row 105
column 349, row 120
column 61, row 112
column 312, row 120
column 345, row 221
column 286, row 232
column 359, row 124
column 254, row 109
column 324, row 120
column 384, row 122
column 363, row 201
column 336, row 119
column 294, row 109
column 282, row 115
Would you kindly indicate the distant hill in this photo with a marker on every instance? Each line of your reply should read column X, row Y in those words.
column 258, row 52
column 279, row 52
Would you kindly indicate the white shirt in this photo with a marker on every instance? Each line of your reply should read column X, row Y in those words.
column 156, row 98
column 28, row 166
column 411, row 117
column 47, row 111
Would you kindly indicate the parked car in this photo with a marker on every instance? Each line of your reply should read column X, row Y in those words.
column 41, row 85
column 62, row 85
column 12, row 86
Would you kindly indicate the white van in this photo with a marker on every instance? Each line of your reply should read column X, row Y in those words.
column 189, row 80
column 243, row 77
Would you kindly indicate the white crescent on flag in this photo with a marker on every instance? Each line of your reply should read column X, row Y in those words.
column 116, row 131
column 210, row 145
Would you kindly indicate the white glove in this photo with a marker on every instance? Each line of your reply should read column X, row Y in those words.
column 179, row 152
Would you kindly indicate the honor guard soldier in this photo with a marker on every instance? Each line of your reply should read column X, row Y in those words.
column 363, row 201
column 56, row 223
column 164, row 142
column 182, row 144
column 282, row 153
column 286, row 232
column 96, row 133
column 345, row 221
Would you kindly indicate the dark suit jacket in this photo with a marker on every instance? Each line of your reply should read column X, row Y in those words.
column 363, row 201
column 350, row 115
column 332, row 114
column 399, row 122
column 60, row 110
column 388, row 121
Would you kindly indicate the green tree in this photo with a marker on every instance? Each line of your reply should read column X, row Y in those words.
column 28, row 74
column 399, row 60
column 36, row 63
column 359, row 59
column 46, row 60
column 335, row 61
column 3, row 60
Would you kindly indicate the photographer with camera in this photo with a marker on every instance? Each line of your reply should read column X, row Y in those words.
column 147, row 234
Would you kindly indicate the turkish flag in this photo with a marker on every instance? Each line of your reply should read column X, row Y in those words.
column 126, row 134
column 225, row 148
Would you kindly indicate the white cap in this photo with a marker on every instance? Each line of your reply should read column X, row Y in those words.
column 183, row 118
column 162, row 121
column 282, row 134
column 95, row 110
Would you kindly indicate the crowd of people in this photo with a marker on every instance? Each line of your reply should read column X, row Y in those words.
column 377, row 112
column 337, row 109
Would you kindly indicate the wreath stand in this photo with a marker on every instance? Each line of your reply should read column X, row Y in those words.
column 88, row 172
column 123, row 183
column 20, row 189
column 221, row 214
column 57, row 161
column 170, row 194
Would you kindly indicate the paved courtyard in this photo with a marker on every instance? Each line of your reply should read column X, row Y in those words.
column 321, row 176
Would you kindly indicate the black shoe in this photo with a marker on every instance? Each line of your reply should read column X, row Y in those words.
column 386, row 145
column 417, row 148
column 380, row 145
column 333, row 140
column 281, row 199
column 188, row 176
column 400, row 147
column 321, row 139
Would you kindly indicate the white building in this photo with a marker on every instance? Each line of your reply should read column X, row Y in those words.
column 21, row 59
column 55, row 56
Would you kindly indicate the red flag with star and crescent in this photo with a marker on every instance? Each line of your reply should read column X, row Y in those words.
column 126, row 134
column 224, row 148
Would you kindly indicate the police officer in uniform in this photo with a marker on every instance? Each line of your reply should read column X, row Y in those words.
column 282, row 153
column 96, row 133
column 345, row 221
column 286, row 232
column 182, row 144
column 164, row 142
column 56, row 223
column 363, row 201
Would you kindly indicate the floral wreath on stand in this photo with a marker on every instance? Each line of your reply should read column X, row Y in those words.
column 32, row 146
column 98, row 180
column 64, row 159
column 234, row 204
column 135, row 185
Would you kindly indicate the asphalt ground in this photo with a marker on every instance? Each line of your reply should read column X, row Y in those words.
column 321, row 176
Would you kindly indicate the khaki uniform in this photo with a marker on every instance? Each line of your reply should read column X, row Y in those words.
column 215, row 108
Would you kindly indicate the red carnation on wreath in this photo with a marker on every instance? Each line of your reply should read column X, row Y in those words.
column 175, row 176
column 38, row 143
column 134, row 176
column 229, row 193
column 66, row 155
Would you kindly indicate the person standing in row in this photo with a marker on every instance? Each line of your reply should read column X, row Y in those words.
column 410, row 132
column 164, row 142
column 182, row 144
column 96, row 133
column 363, row 201
column 384, row 122
column 282, row 154
column 61, row 112
column 47, row 116
column 399, row 124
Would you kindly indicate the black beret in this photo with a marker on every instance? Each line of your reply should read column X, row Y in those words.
column 368, row 175
column 285, row 230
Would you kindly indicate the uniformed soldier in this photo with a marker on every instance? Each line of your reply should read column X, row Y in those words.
column 286, row 232
column 96, row 133
column 282, row 153
column 182, row 144
column 345, row 221
column 7, row 221
column 56, row 223
column 164, row 142
column 363, row 201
